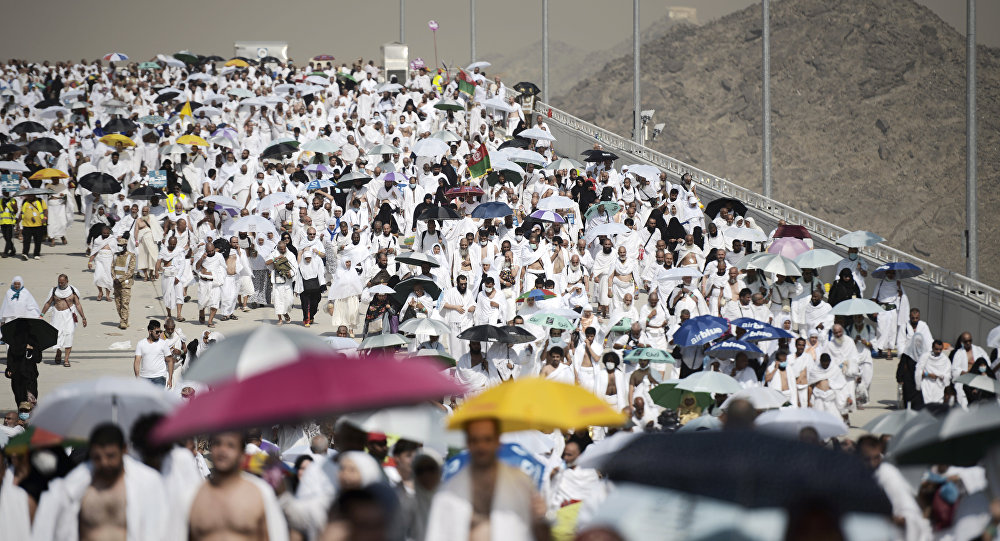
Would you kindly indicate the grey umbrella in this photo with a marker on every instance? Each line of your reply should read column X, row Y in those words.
column 891, row 423
column 961, row 438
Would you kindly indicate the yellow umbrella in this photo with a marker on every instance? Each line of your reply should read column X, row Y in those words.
column 192, row 140
column 238, row 63
column 44, row 174
column 537, row 404
column 114, row 138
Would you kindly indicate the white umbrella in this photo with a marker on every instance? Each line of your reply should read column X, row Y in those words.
column 447, row 136
column 745, row 261
column 480, row 64
column 705, row 422
column 776, row 264
column 537, row 134
column 507, row 165
column 75, row 409
column 648, row 172
column 244, row 354
column 166, row 89
column 341, row 343
column 200, row 77
column 223, row 201
column 253, row 224
column 814, row 259
column 761, row 398
column 709, row 382
column 173, row 148
column 993, row 339
column 321, row 146
column 381, row 288
column 853, row 307
column 891, row 423
column 789, row 422
column 13, row 166
column 556, row 202
column 678, row 273
column 859, row 239
column 388, row 87
column 431, row 147
column 425, row 325
column 220, row 140
column 383, row 149
column 497, row 104
column 522, row 155
column 979, row 381
column 744, row 233
column 533, row 441
column 52, row 112
column 344, row 288
column 563, row 163
column 317, row 80
column 274, row 200
column 609, row 229
column 208, row 110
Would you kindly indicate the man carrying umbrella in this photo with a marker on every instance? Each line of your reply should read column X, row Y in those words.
column 65, row 300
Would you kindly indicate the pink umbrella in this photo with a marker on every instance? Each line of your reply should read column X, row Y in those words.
column 316, row 385
column 789, row 247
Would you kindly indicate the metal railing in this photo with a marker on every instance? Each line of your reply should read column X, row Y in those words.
column 940, row 277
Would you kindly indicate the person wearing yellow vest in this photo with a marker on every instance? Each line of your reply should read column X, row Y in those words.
column 34, row 217
column 8, row 218
column 177, row 200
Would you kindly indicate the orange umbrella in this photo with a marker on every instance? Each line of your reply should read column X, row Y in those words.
column 48, row 173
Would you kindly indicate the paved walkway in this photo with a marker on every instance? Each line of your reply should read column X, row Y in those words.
column 91, row 356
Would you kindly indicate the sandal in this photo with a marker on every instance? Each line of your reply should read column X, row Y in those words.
column 223, row 318
column 66, row 364
column 211, row 325
column 179, row 319
column 234, row 318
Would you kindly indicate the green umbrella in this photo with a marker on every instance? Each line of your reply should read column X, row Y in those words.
column 186, row 58
column 494, row 176
column 347, row 76
column 652, row 354
column 552, row 321
column 449, row 105
column 623, row 325
column 610, row 206
column 667, row 395
column 447, row 360
column 149, row 66
column 318, row 74
column 382, row 341
column 151, row 119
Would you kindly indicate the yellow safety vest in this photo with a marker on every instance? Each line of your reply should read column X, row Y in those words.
column 8, row 214
column 171, row 199
column 32, row 213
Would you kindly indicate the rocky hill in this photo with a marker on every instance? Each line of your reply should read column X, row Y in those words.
column 868, row 116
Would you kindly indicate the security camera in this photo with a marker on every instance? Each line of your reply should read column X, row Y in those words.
column 647, row 115
column 657, row 129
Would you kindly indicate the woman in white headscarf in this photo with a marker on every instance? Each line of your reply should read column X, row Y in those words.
column 358, row 470
column 18, row 302
column 345, row 291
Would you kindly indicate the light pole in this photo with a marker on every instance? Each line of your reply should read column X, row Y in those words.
column 472, row 26
column 636, row 97
column 402, row 21
column 545, row 51
column 972, row 243
column 766, row 99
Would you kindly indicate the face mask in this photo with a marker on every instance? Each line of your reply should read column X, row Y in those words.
column 533, row 246
column 519, row 238
column 609, row 366
column 982, row 369
column 852, row 257
column 483, row 243
column 23, row 416
column 556, row 341
column 489, row 289
column 412, row 185
column 782, row 365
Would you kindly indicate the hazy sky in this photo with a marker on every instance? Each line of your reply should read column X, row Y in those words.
column 348, row 29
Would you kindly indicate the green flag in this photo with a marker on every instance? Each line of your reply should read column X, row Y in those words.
column 480, row 162
column 465, row 83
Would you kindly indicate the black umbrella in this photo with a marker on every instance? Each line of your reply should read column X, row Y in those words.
column 146, row 192
column 269, row 59
column 439, row 213
column 120, row 125
column 517, row 142
column 10, row 148
column 713, row 208
column 27, row 126
column 510, row 176
column 166, row 97
column 100, row 183
column 405, row 287
column 483, row 333
column 214, row 58
column 516, row 335
column 750, row 469
column 186, row 58
column 528, row 89
column 961, row 438
column 45, row 144
column 45, row 104
column 179, row 106
column 597, row 156
column 32, row 331
column 279, row 150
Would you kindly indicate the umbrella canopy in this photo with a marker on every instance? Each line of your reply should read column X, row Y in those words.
column 508, row 334
column 114, row 139
column 35, row 332
column 789, row 247
column 667, row 395
column 423, row 423
column 497, row 104
column 607, row 230
column 700, row 330
column 713, row 208
column 417, row 258
column 648, row 172
column 120, row 125
column 859, row 239
column 431, row 147
column 149, row 66
column 75, row 409
column 739, row 466
column 537, row 134
column 979, row 381
column 729, row 349
column 548, row 216
column 246, row 354
column 556, row 202
column 528, row 89
column 610, row 207
column 853, row 307
column 341, row 343
column 492, row 209
column 439, row 213
column 146, row 193
column 960, row 438
column 47, row 173
column 903, row 270
column 789, row 422
column 709, row 382
column 152, row 119
column 237, row 63
column 776, row 264
column 563, row 164
column 424, row 325
column 746, row 234
column 463, row 190
column 536, row 294
column 253, row 224
column 378, row 341
column 192, row 140
column 894, row 421
column 278, row 150
column 274, row 200
column 551, row 321
column 814, row 259
column 597, row 156
column 447, row 136
column 760, row 331
column 404, row 288
column 383, row 149
column 993, row 338
column 100, row 183
column 537, row 404
column 315, row 385
column 321, row 146
column 653, row 355
column 115, row 57
column 223, row 201
column 45, row 144
column 13, row 166
column 319, row 184
column 446, row 360
column 521, row 155
column 33, row 438
column 794, row 231
column 761, row 398
column 449, row 105
column 28, row 126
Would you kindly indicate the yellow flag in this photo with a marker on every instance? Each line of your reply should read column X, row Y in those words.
column 186, row 110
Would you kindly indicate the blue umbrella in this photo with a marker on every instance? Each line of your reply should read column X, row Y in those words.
column 319, row 184
column 902, row 268
column 509, row 453
column 700, row 330
column 318, row 168
column 492, row 209
column 758, row 330
column 728, row 349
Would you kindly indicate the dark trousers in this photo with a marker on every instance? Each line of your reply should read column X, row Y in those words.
column 310, row 304
column 685, row 371
column 32, row 233
column 24, row 374
column 8, row 238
